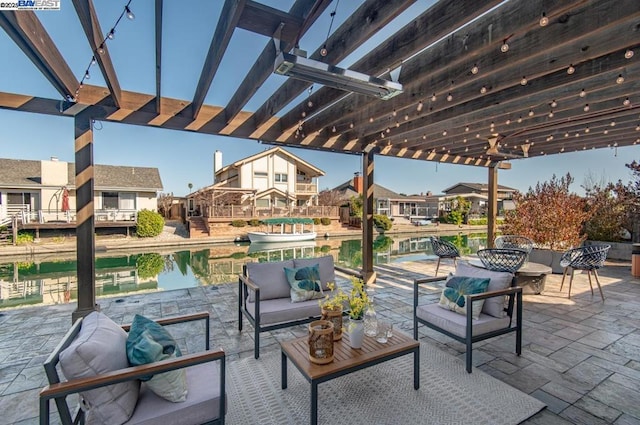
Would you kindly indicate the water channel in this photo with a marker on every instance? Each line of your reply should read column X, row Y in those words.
column 53, row 280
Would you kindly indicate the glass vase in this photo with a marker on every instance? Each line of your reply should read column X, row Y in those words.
column 370, row 321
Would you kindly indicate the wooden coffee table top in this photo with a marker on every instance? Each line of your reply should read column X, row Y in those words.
column 345, row 357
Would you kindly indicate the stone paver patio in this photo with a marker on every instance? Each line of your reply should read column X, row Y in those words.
column 580, row 356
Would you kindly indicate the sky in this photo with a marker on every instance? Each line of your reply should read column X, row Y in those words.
column 184, row 157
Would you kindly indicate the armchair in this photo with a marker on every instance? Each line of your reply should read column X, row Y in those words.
column 205, row 376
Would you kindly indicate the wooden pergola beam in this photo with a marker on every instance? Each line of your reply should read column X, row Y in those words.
column 263, row 67
column 26, row 30
column 360, row 26
column 439, row 20
column 229, row 17
column 158, row 38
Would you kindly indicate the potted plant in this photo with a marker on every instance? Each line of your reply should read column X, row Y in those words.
column 331, row 307
column 358, row 301
column 552, row 217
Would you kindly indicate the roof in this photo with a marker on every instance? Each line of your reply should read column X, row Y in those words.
column 27, row 174
column 312, row 170
column 483, row 187
column 379, row 192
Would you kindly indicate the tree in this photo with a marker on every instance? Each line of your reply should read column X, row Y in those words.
column 549, row 214
column 165, row 200
column 356, row 205
column 459, row 210
column 330, row 198
column 629, row 196
column 190, row 186
column 607, row 212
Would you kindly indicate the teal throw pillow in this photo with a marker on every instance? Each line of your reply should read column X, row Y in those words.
column 149, row 342
column 453, row 295
column 305, row 283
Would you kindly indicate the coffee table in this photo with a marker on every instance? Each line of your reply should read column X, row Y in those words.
column 346, row 360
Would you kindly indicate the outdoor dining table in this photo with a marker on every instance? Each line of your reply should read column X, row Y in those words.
column 531, row 276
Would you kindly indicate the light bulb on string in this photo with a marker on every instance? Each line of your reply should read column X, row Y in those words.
column 433, row 97
column 523, row 81
column 626, row 102
column 394, row 113
column 87, row 76
column 371, row 119
column 583, row 93
column 474, row 69
column 419, row 107
column 483, row 90
column 449, row 97
column 351, row 125
column 406, row 117
column 333, row 129
column 101, row 49
column 628, row 54
column 586, row 108
column 93, row 60
column 111, row 35
column 554, row 103
column 519, row 120
column 129, row 13
column 531, row 113
column 507, row 122
column 571, row 70
column 324, row 51
column 620, row 79
column 550, row 114
column 544, row 21
column 505, row 47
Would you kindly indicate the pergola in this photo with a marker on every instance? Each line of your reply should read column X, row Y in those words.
column 484, row 81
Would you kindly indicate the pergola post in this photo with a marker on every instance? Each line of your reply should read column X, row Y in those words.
column 368, row 275
column 492, row 211
column 85, row 224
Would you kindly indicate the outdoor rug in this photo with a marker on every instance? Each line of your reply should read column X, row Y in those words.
column 381, row 394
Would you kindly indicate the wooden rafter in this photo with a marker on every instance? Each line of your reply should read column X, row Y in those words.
column 263, row 67
column 158, row 37
column 89, row 20
column 362, row 24
column 27, row 32
column 231, row 12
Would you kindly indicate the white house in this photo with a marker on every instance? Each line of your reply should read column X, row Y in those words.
column 43, row 191
column 270, row 179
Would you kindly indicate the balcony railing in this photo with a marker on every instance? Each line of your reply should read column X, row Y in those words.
column 248, row 212
column 306, row 188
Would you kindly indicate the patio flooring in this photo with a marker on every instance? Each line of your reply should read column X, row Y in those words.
column 580, row 356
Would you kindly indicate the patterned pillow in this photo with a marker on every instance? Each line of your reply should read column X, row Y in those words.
column 453, row 295
column 305, row 283
column 149, row 342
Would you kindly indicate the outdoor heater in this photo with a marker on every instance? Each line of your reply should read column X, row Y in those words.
column 313, row 71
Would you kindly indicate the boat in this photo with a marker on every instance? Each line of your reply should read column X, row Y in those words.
column 280, row 248
column 296, row 229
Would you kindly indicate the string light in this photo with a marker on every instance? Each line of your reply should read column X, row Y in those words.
column 419, row 107
column 474, row 69
column 531, row 113
column 519, row 119
column 620, row 79
column 571, row 70
column 505, row 47
column 483, row 90
column 433, row 97
column 554, row 103
column 449, row 97
column 628, row 54
column 583, row 93
column 586, row 108
column 523, row 82
column 550, row 114
column 100, row 50
column 544, row 21
column 626, row 102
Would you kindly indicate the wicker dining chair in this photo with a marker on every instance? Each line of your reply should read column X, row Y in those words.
column 514, row 242
column 589, row 258
column 444, row 249
column 502, row 259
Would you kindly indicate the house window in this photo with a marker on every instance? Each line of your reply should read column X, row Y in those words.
column 110, row 200
column 262, row 203
column 280, row 178
column 261, row 174
column 127, row 201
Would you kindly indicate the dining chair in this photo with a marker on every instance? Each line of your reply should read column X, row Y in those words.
column 589, row 258
column 444, row 249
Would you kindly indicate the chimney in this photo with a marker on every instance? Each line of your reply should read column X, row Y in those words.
column 217, row 163
column 358, row 182
column 54, row 158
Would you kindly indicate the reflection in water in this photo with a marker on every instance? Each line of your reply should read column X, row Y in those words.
column 55, row 282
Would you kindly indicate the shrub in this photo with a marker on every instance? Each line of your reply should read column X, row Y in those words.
column 484, row 221
column 325, row 221
column 24, row 237
column 238, row 223
column 382, row 221
column 316, row 221
column 254, row 222
column 149, row 224
column 549, row 215
column 149, row 265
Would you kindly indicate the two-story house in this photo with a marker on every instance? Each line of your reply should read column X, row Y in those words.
column 44, row 191
column 270, row 180
column 476, row 193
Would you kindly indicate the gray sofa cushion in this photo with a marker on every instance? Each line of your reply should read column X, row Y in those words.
column 283, row 310
column 499, row 280
column 327, row 272
column 201, row 406
column 270, row 278
column 457, row 323
column 100, row 347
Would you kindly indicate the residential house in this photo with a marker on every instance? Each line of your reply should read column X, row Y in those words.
column 476, row 193
column 44, row 191
column 386, row 201
column 272, row 181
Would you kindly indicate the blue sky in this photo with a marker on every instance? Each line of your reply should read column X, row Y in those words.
column 188, row 157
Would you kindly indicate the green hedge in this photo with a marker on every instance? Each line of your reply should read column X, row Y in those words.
column 238, row 223
column 325, row 221
column 149, row 224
